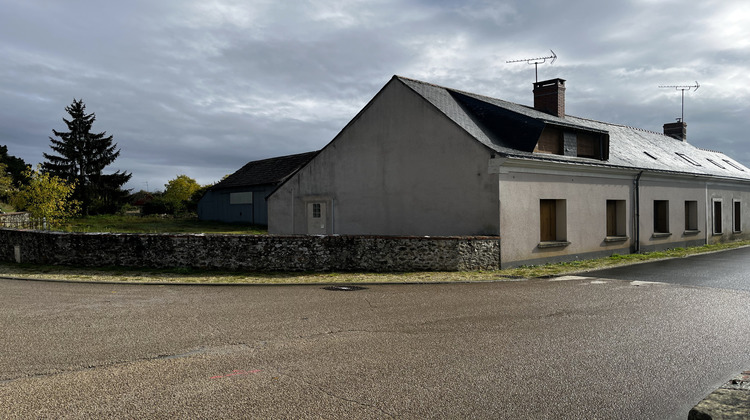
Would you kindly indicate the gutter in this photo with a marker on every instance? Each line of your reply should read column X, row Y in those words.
column 637, row 214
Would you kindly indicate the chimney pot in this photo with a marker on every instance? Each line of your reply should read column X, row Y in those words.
column 549, row 97
column 677, row 130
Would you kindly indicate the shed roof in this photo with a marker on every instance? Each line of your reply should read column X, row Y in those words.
column 271, row 171
column 512, row 130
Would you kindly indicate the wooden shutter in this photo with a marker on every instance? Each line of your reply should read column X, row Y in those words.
column 547, row 222
column 611, row 218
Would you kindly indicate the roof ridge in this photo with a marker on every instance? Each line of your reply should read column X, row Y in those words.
column 465, row 92
column 617, row 125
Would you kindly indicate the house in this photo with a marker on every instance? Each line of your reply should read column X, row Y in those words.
column 241, row 197
column 422, row 159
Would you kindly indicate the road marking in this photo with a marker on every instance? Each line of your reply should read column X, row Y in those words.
column 566, row 278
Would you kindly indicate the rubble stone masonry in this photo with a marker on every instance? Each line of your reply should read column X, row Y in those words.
column 251, row 252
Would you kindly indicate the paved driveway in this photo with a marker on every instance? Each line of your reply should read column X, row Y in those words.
column 575, row 348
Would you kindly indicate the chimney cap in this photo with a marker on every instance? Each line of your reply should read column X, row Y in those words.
column 550, row 82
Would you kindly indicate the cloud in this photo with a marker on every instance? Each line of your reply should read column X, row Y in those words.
column 202, row 87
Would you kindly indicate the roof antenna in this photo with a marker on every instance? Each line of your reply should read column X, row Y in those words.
column 683, row 89
column 536, row 62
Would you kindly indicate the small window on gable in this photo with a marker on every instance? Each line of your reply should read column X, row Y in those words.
column 241, row 198
column 688, row 159
column 316, row 210
column 714, row 162
column 732, row 164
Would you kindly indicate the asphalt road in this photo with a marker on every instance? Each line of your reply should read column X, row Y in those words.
column 560, row 348
column 726, row 269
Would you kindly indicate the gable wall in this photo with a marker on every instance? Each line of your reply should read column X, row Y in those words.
column 399, row 168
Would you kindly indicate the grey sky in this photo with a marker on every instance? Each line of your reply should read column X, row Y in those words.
column 202, row 87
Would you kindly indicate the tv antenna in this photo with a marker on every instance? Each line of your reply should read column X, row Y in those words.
column 536, row 62
column 683, row 89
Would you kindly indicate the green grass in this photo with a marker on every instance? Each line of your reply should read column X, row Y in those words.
column 615, row 260
column 6, row 208
column 157, row 224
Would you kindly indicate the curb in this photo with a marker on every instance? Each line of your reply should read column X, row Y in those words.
column 731, row 401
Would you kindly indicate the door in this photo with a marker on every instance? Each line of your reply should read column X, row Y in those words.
column 316, row 218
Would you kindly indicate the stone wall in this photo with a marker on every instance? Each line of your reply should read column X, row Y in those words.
column 251, row 252
column 13, row 220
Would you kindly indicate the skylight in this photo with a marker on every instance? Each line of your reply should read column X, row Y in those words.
column 650, row 155
column 710, row 160
column 687, row 159
column 732, row 164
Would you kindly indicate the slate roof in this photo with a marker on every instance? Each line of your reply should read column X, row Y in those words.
column 512, row 130
column 271, row 171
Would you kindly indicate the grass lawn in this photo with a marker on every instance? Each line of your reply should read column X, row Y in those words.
column 183, row 275
column 157, row 224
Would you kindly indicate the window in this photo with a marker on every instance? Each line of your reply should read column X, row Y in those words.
column 736, row 216
column 241, row 198
column 661, row 216
column 691, row 215
column 588, row 146
column 734, row 165
column 552, row 220
column 550, row 142
column 650, row 155
column 714, row 162
column 616, row 218
column 718, row 229
column 316, row 210
column 688, row 159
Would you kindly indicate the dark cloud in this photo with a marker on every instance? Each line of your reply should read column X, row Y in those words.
column 201, row 88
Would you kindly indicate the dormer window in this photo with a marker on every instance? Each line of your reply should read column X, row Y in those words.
column 563, row 141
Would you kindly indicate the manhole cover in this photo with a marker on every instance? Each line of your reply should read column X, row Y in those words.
column 344, row 288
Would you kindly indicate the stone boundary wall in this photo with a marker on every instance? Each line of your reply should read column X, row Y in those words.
column 251, row 252
column 14, row 219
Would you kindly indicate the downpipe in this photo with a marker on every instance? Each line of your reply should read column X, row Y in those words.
column 637, row 214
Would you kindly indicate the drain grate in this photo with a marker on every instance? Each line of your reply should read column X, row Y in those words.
column 344, row 288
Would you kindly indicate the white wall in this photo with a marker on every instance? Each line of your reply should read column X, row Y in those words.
column 399, row 168
column 585, row 196
column 727, row 193
column 675, row 190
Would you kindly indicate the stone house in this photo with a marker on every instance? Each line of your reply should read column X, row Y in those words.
column 421, row 159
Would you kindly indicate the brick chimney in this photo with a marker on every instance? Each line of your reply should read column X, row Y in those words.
column 676, row 130
column 549, row 97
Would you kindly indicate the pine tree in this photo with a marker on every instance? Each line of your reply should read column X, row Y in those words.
column 80, row 158
column 15, row 166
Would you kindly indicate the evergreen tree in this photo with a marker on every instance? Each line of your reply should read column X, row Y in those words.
column 15, row 166
column 80, row 158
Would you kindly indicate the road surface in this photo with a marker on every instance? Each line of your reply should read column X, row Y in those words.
column 588, row 347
